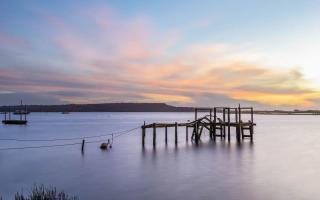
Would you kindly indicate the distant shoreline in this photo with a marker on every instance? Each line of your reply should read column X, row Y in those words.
column 136, row 107
column 270, row 113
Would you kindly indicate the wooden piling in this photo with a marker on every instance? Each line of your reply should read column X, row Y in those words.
column 236, row 115
column 166, row 134
column 214, row 123
column 195, row 114
column 154, row 134
column 82, row 147
column 143, row 133
column 251, row 110
column 239, row 113
column 210, row 131
column 187, row 134
column 251, row 132
column 229, row 124
column 239, row 128
column 176, row 133
column 196, row 135
column 224, row 121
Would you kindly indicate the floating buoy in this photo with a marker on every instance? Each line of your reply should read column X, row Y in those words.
column 104, row 146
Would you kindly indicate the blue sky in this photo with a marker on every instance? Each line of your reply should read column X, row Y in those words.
column 152, row 51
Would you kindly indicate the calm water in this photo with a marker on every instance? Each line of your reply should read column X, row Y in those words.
column 283, row 162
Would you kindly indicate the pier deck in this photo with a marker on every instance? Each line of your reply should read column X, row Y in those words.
column 218, row 123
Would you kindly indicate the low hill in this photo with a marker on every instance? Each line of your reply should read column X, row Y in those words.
column 104, row 107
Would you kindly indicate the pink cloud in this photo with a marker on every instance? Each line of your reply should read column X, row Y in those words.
column 128, row 58
column 13, row 41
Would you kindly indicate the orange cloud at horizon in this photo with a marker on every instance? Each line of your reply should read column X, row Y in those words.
column 130, row 60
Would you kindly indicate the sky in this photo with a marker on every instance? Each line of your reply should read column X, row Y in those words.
column 185, row 53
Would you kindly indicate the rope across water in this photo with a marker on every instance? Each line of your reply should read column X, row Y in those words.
column 114, row 135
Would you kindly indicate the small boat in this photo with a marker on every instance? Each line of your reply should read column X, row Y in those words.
column 21, row 112
column 23, row 116
column 15, row 122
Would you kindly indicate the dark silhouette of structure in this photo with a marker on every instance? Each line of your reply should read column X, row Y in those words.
column 22, row 112
column 218, row 122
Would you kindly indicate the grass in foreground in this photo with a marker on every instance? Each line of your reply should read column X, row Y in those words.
column 44, row 193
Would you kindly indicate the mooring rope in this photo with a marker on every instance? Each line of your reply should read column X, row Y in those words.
column 62, row 139
column 52, row 140
column 117, row 134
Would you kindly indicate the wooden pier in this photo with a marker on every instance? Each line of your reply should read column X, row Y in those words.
column 218, row 121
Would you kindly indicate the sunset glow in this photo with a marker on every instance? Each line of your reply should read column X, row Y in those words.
column 108, row 52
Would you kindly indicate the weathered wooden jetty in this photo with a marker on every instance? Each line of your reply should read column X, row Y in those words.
column 218, row 121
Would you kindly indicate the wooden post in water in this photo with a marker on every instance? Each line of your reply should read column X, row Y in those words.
column 239, row 113
column 251, row 126
column 143, row 133
column 210, row 131
column 154, row 134
column 251, row 132
column 251, row 110
column 187, row 134
column 239, row 125
column 224, row 121
column 229, row 124
column 214, row 123
column 82, row 147
column 196, row 135
column 195, row 114
column 236, row 114
column 196, row 125
column 176, row 133
column 166, row 134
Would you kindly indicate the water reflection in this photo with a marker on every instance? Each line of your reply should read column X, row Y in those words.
column 285, row 168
